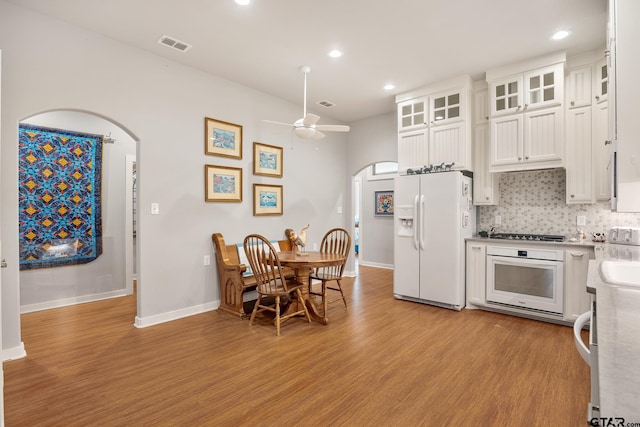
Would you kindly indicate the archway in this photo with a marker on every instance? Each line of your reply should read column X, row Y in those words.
column 111, row 274
column 374, row 232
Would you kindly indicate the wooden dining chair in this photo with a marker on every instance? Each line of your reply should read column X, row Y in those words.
column 270, row 280
column 335, row 241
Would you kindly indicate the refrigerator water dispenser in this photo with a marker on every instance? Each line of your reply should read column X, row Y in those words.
column 405, row 216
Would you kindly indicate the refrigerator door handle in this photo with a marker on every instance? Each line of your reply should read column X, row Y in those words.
column 422, row 213
column 415, row 223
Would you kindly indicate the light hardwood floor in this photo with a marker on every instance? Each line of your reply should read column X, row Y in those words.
column 381, row 362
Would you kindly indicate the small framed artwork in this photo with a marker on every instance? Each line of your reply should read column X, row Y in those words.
column 267, row 199
column 222, row 138
column 222, row 184
column 384, row 203
column 267, row 160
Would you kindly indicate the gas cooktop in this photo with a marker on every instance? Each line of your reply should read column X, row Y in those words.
column 532, row 237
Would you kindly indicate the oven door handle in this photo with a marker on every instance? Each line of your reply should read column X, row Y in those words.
column 582, row 320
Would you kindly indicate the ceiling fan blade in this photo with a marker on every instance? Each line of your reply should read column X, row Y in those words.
column 278, row 123
column 333, row 128
column 318, row 135
column 310, row 119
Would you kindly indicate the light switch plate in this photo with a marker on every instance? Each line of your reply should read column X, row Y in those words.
column 155, row 208
column 497, row 220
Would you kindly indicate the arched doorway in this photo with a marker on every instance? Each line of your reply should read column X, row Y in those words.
column 374, row 232
column 110, row 274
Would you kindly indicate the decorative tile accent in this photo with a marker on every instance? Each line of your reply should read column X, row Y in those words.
column 535, row 202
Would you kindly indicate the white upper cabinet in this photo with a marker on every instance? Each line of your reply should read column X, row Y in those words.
column 413, row 150
column 412, row 114
column 579, row 85
column 446, row 107
column 485, row 184
column 506, row 95
column 601, row 83
column 527, row 120
column 544, row 87
column 434, row 126
column 481, row 106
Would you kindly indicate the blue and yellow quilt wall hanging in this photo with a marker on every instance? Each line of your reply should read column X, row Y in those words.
column 60, row 185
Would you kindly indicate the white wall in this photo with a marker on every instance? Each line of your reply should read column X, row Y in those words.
column 50, row 65
column 105, row 276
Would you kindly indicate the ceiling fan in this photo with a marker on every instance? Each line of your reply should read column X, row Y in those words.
column 306, row 127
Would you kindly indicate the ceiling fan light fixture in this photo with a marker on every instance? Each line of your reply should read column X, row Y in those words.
column 304, row 132
column 335, row 53
column 243, row 2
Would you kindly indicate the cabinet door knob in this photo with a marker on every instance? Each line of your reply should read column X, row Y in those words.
column 573, row 195
column 607, row 142
column 526, row 158
column 487, row 198
column 519, row 159
column 597, row 97
column 574, row 103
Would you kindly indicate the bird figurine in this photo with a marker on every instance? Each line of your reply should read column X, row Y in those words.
column 302, row 236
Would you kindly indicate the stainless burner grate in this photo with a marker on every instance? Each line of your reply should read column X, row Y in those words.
column 531, row 237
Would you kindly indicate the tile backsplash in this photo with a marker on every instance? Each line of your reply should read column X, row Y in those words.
column 535, row 202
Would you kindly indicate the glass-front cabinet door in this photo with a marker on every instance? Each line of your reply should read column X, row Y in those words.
column 544, row 87
column 412, row 114
column 601, row 81
column 446, row 107
column 506, row 96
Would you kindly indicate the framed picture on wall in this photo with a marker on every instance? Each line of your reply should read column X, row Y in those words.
column 222, row 184
column 222, row 138
column 267, row 160
column 384, row 203
column 267, row 199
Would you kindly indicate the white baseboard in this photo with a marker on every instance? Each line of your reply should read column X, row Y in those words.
column 14, row 353
column 143, row 322
column 376, row 264
column 71, row 301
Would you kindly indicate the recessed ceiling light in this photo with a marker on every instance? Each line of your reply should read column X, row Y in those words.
column 562, row 34
column 389, row 86
column 243, row 2
column 335, row 53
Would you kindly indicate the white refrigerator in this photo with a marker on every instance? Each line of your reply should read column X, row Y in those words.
column 433, row 214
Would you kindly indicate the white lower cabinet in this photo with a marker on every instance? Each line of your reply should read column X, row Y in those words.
column 476, row 269
column 577, row 300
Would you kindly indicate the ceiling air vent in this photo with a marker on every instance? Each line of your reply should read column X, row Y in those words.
column 326, row 104
column 174, row 43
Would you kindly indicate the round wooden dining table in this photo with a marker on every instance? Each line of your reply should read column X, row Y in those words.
column 303, row 263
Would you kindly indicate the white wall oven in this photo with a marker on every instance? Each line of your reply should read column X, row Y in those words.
column 526, row 277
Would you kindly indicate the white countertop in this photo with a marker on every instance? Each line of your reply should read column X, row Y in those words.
column 618, row 332
column 567, row 243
